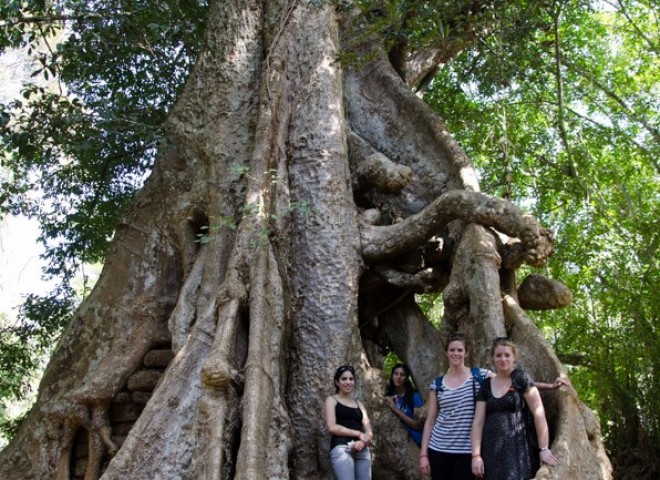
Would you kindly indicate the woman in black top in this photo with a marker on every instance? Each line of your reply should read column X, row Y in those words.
column 510, row 436
column 348, row 423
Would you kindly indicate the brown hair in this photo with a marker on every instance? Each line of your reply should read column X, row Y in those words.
column 457, row 337
column 503, row 342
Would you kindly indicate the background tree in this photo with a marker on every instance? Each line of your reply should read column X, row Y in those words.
column 268, row 155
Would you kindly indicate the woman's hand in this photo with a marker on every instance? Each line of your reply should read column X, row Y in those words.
column 358, row 445
column 478, row 466
column 392, row 404
column 547, row 457
column 424, row 465
column 559, row 381
column 365, row 438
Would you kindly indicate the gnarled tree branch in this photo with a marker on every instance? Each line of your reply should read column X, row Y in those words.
column 381, row 242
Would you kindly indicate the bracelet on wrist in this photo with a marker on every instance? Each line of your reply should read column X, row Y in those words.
column 423, row 456
column 544, row 449
column 476, row 456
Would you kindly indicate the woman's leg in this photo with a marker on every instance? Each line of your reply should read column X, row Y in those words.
column 462, row 467
column 363, row 464
column 442, row 465
column 343, row 463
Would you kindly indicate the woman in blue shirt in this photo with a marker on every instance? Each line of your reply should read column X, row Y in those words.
column 403, row 399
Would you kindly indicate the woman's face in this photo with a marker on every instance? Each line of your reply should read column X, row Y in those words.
column 346, row 382
column 504, row 358
column 456, row 352
column 399, row 377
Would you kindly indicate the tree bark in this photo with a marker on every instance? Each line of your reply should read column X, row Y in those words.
column 239, row 334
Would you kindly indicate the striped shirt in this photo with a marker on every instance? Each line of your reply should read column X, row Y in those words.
column 452, row 428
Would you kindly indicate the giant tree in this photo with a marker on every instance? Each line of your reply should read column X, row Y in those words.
column 301, row 196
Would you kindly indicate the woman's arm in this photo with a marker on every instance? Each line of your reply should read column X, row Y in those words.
column 559, row 381
column 477, row 434
column 431, row 416
column 533, row 399
column 368, row 435
column 411, row 422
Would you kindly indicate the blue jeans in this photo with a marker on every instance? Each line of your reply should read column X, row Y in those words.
column 351, row 465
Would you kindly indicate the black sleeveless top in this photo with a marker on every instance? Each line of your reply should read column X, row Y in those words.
column 349, row 417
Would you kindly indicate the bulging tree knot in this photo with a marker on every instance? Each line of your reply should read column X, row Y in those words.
column 217, row 375
column 541, row 293
column 371, row 216
column 540, row 243
column 379, row 172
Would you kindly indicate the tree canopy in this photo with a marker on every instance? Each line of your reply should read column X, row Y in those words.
column 555, row 101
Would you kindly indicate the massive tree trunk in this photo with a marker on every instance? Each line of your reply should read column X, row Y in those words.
column 325, row 195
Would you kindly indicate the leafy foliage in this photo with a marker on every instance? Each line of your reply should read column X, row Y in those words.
column 23, row 348
column 86, row 145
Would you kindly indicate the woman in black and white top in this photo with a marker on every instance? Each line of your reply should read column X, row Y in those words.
column 348, row 423
column 446, row 451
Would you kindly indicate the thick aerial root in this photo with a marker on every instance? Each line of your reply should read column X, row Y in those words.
column 257, row 405
column 407, row 331
column 472, row 298
column 95, row 420
column 425, row 280
column 215, row 424
column 534, row 350
column 100, row 439
column 576, row 445
column 217, row 371
column 69, row 429
column 382, row 242
column 169, row 418
column 211, row 457
column 183, row 314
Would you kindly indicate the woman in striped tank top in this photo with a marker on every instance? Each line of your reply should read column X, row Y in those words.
column 446, row 451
